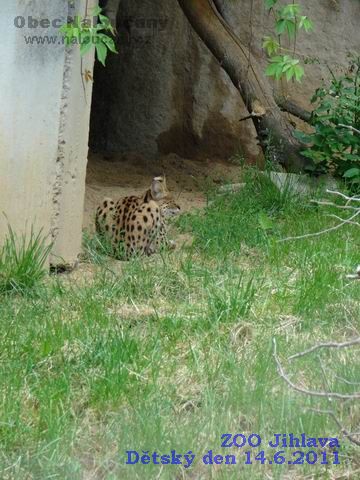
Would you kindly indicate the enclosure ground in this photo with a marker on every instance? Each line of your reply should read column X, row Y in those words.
column 171, row 351
column 117, row 175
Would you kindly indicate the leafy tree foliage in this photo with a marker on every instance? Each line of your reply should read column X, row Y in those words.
column 333, row 147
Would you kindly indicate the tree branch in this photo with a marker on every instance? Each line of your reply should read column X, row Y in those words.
column 332, row 204
column 322, row 232
column 350, row 343
column 250, row 81
column 349, row 127
column 354, row 276
column 349, row 436
column 305, row 391
column 343, row 221
column 342, row 195
column 291, row 107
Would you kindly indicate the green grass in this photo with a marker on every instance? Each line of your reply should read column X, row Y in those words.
column 170, row 352
column 23, row 262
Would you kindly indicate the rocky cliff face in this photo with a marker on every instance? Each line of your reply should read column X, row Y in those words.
column 336, row 34
column 165, row 92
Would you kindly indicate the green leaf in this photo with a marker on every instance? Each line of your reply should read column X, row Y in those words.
column 76, row 33
column 105, row 24
column 280, row 26
column 290, row 11
column 352, row 173
column 309, row 168
column 305, row 23
column 303, row 137
column 96, row 11
column 101, row 52
column 270, row 45
column 104, row 19
column 270, row 3
column 289, row 74
column 277, row 59
column 265, row 222
column 77, row 21
column 85, row 46
column 299, row 72
column 352, row 157
column 287, row 25
column 284, row 65
column 109, row 42
column 291, row 28
column 271, row 69
column 65, row 28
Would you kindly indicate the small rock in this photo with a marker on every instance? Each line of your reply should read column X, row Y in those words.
column 302, row 184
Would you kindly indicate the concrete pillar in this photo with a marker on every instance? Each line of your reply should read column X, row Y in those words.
column 44, row 124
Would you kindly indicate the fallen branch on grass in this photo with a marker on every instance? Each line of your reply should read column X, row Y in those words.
column 329, row 395
column 349, row 436
column 332, row 204
column 342, row 221
column 354, row 276
column 350, row 343
column 348, row 221
column 313, row 393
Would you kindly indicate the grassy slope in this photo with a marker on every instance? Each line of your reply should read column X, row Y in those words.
column 176, row 349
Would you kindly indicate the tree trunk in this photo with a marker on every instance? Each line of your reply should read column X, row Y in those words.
column 247, row 77
column 291, row 107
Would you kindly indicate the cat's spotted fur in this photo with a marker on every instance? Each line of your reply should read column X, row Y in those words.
column 139, row 222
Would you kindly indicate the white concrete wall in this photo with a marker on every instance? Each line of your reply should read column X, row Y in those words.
column 44, row 122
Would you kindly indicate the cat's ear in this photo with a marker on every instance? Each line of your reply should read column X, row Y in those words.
column 158, row 188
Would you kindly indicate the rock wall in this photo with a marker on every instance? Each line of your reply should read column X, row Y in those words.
column 164, row 92
column 336, row 34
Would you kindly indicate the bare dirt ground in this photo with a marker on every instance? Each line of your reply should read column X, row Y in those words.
column 118, row 175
